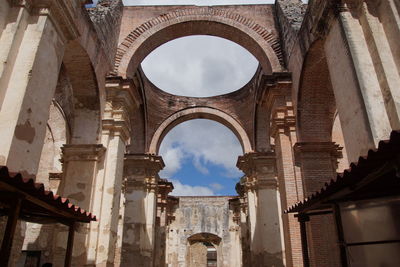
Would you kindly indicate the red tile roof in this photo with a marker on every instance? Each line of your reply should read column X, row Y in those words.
column 40, row 197
column 374, row 175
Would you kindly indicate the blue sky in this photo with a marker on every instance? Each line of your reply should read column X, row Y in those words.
column 200, row 157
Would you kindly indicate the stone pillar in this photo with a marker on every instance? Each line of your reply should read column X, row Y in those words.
column 261, row 187
column 368, row 111
column 141, row 174
column 80, row 167
column 283, row 130
column 115, row 136
column 164, row 188
column 318, row 163
column 31, row 50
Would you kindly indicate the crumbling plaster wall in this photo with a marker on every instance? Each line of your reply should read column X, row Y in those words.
column 204, row 215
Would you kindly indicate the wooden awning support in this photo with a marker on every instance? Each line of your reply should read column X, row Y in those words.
column 10, row 231
column 23, row 199
column 70, row 245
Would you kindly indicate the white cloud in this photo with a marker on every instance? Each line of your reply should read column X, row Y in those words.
column 203, row 141
column 216, row 186
column 200, row 66
column 187, row 190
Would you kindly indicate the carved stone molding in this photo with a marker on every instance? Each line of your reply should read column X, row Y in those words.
column 82, row 152
column 60, row 13
column 119, row 108
column 141, row 170
column 260, row 170
column 315, row 150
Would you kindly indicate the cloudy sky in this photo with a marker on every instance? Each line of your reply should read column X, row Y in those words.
column 200, row 155
column 200, row 158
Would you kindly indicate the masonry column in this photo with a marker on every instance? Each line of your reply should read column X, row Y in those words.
column 368, row 111
column 267, row 247
column 283, row 130
column 31, row 50
column 141, row 174
column 318, row 161
column 80, row 167
column 115, row 136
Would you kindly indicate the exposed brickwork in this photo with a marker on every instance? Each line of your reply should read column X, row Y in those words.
column 221, row 15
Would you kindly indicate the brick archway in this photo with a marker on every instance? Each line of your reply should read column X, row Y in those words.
column 261, row 42
column 316, row 100
column 197, row 113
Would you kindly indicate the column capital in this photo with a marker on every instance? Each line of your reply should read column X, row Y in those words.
column 310, row 150
column 119, row 108
column 141, row 170
column 283, row 120
column 259, row 169
column 92, row 152
column 59, row 11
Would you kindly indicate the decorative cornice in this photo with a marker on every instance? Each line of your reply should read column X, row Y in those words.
column 119, row 108
column 142, row 167
column 313, row 150
column 82, row 152
column 60, row 13
column 260, row 170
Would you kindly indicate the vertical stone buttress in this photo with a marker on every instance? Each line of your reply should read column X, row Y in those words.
column 261, row 187
column 363, row 57
column 141, row 182
column 33, row 36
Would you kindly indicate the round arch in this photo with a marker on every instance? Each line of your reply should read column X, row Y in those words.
column 199, row 113
column 82, row 77
column 256, row 39
column 316, row 101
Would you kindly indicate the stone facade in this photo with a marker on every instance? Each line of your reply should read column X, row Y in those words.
column 78, row 114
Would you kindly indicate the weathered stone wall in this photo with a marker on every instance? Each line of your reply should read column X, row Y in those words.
column 197, row 215
column 106, row 17
column 290, row 14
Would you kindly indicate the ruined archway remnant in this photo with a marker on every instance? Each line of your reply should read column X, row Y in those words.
column 262, row 42
column 200, row 113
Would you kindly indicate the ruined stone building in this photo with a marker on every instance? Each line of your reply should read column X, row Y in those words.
column 78, row 114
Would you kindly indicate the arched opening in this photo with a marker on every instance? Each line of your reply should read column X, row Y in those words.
column 200, row 113
column 206, row 21
column 200, row 157
column 203, row 250
column 200, row 66
column 83, row 96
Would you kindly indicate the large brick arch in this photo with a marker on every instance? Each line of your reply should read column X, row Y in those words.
column 197, row 113
column 86, row 96
column 261, row 42
column 316, row 101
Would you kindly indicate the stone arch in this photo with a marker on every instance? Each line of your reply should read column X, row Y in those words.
column 200, row 113
column 316, row 101
column 260, row 41
column 85, row 92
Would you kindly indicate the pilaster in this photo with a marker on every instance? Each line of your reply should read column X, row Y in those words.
column 32, row 48
column 115, row 136
column 141, row 184
column 261, row 187
column 80, row 167
column 283, row 130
